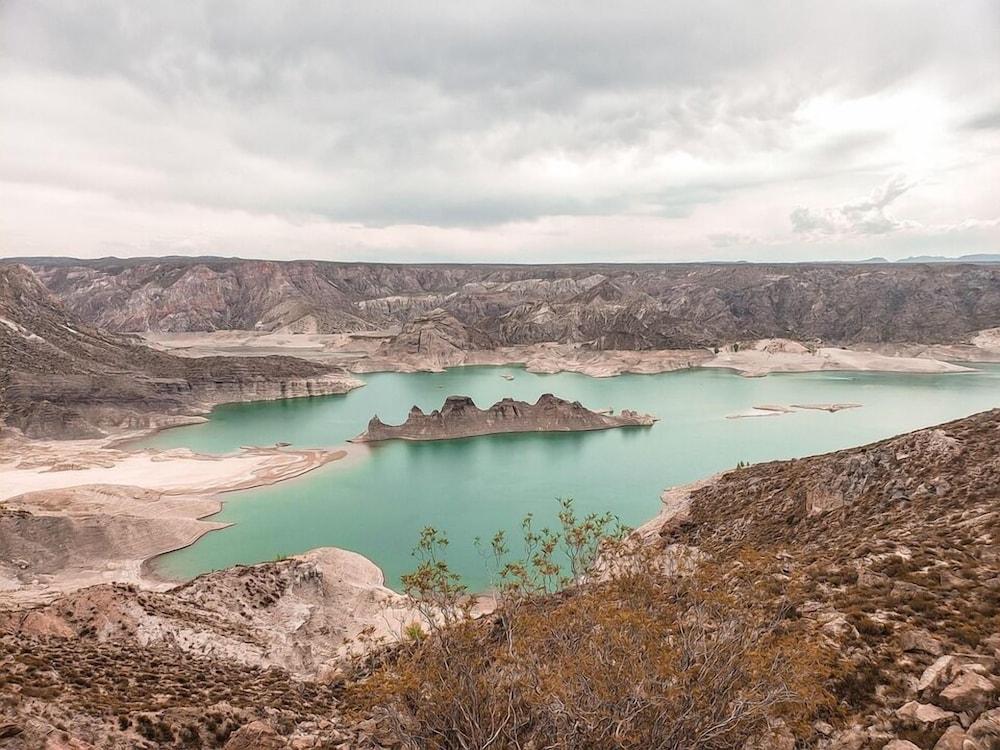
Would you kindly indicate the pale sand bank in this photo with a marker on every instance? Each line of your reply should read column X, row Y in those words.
column 76, row 513
column 777, row 410
column 359, row 353
column 58, row 465
column 779, row 355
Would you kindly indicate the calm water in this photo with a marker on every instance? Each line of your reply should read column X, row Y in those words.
column 377, row 504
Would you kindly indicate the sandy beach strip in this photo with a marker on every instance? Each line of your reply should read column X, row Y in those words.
column 103, row 514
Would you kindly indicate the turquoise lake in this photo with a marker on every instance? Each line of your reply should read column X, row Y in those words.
column 377, row 503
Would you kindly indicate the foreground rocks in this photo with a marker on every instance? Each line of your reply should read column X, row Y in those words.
column 461, row 418
column 242, row 658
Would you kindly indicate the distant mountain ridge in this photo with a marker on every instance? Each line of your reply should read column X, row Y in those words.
column 977, row 258
column 603, row 306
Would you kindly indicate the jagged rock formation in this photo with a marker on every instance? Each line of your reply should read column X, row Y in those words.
column 63, row 378
column 461, row 418
column 603, row 305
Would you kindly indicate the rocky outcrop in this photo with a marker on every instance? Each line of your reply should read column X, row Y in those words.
column 606, row 306
column 894, row 551
column 461, row 418
column 62, row 378
column 296, row 613
column 240, row 658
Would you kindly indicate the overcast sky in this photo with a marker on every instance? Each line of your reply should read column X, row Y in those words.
column 540, row 131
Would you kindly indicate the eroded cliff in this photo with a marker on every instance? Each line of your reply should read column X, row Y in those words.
column 606, row 306
column 64, row 378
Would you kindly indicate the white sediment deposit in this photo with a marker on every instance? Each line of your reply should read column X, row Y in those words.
column 777, row 410
column 781, row 355
column 77, row 513
column 755, row 359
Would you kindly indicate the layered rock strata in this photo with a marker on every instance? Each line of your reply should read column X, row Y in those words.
column 606, row 306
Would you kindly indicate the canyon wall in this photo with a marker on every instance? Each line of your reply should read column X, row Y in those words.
column 606, row 306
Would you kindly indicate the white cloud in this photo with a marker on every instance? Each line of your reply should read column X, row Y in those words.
column 864, row 216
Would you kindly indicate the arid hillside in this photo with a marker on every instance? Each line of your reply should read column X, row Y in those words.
column 62, row 377
column 848, row 601
column 606, row 306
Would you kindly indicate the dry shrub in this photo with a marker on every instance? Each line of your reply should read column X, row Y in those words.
column 635, row 659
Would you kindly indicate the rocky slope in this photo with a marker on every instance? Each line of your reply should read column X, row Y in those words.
column 890, row 552
column 64, row 378
column 898, row 546
column 230, row 659
column 607, row 306
column 461, row 418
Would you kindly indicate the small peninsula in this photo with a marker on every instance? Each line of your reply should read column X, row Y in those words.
column 460, row 418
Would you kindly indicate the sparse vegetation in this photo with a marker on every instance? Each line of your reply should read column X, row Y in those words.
column 598, row 650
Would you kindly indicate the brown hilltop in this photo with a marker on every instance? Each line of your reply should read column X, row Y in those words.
column 226, row 658
column 898, row 543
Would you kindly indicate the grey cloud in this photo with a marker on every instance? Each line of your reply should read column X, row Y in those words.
column 468, row 114
column 984, row 121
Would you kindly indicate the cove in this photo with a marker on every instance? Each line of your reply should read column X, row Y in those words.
column 376, row 502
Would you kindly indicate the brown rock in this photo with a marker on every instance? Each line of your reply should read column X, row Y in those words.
column 900, row 745
column 920, row 640
column 984, row 734
column 822, row 500
column 257, row 735
column 924, row 714
column 938, row 674
column 993, row 644
column 55, row 741
column 952, row 739
column 969, row 691
column 9, row 730
column 837, row 627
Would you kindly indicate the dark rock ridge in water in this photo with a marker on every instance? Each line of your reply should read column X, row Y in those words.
column 460, row 417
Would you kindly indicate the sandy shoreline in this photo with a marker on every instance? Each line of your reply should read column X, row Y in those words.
column 360, row 354
column 84, row 512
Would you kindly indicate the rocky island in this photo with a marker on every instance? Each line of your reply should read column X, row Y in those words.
column 460, row 417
